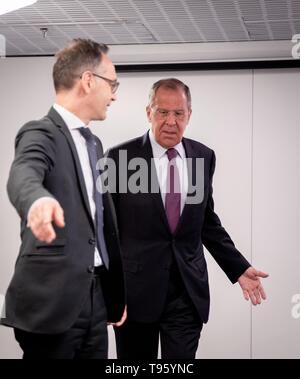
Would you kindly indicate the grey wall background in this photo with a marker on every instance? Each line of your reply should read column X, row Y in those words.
column 250, row 119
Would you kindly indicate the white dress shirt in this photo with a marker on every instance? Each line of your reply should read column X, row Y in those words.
column 74, row 123
column 161, row 164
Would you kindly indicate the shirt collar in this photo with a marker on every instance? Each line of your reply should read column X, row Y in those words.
column 71, row 120
column 159, row 151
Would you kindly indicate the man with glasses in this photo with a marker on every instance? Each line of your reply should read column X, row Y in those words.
column 68, row 279
column 114, row 84
column 162, row 234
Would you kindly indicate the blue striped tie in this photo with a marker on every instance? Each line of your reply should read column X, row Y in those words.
column 92, row 151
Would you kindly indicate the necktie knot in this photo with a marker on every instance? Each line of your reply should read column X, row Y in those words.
column 172, row 154
column 86, row 134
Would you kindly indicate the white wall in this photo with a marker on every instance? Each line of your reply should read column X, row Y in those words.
column 246, row 136
column 276, row 210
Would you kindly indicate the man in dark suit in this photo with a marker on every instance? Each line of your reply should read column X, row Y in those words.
column 162, row 232
column 68, row 279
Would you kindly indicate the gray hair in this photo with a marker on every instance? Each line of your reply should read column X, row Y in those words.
column 171, row 83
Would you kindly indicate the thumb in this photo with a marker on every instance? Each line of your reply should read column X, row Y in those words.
column 58, row 216
column 261, row 274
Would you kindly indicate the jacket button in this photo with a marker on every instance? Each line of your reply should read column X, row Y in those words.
column 92, row 241
column 90, row 269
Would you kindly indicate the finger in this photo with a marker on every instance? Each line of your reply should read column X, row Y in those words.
column 44, row 232
column 38, row 231
column 50, row 233
column 40, row 215
column 35, row 217
column 58, row 216
column 262, row 274
column 246, row 295
column 253, row 298
column 118, row 324
column 257, row 296
column 42, row 228
column 262, row 292
column 47, row 213
column 123, row 319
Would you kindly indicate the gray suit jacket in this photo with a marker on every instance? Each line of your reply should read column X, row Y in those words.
column 51, row 282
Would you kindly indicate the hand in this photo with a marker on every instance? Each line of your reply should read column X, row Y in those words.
column 251, row 285
column 123, row 319
column 40, row 217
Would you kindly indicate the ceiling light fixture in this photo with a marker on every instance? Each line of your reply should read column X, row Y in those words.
column 12, row 5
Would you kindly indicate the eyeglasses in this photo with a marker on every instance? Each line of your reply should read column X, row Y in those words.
column 114, row 84
column 164, row 114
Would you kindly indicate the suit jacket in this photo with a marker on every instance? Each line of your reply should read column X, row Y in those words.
column 51, row 282
column 148, row 247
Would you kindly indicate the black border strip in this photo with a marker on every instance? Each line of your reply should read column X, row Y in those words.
column 196, row 66
column 243, row 65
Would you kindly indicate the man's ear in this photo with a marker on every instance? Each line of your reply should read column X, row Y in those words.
column 190, row 113
column 148, row 111
column 86, row 81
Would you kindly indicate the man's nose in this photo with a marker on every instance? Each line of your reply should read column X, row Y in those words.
column 171, row 119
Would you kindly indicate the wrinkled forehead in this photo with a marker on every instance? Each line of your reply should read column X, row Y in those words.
column 170, row 98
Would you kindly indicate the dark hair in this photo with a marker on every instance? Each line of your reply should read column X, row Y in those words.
column 171, row 83
column 80, row 55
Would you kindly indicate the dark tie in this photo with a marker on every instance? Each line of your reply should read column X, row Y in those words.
column 173, row 195
column 92, row 151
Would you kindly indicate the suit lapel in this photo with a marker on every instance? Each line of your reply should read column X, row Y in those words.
column 58, row 121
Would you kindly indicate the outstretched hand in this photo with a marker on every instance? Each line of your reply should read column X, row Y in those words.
column 251, row 285
column 42, row 214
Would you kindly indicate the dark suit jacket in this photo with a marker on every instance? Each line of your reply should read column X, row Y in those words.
column 148, row 246
column 52, row 282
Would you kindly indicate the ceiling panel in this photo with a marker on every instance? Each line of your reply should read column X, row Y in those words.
column 140, row 22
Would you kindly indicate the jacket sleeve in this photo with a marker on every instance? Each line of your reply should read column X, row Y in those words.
column 34, row 159
column 217, row 240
